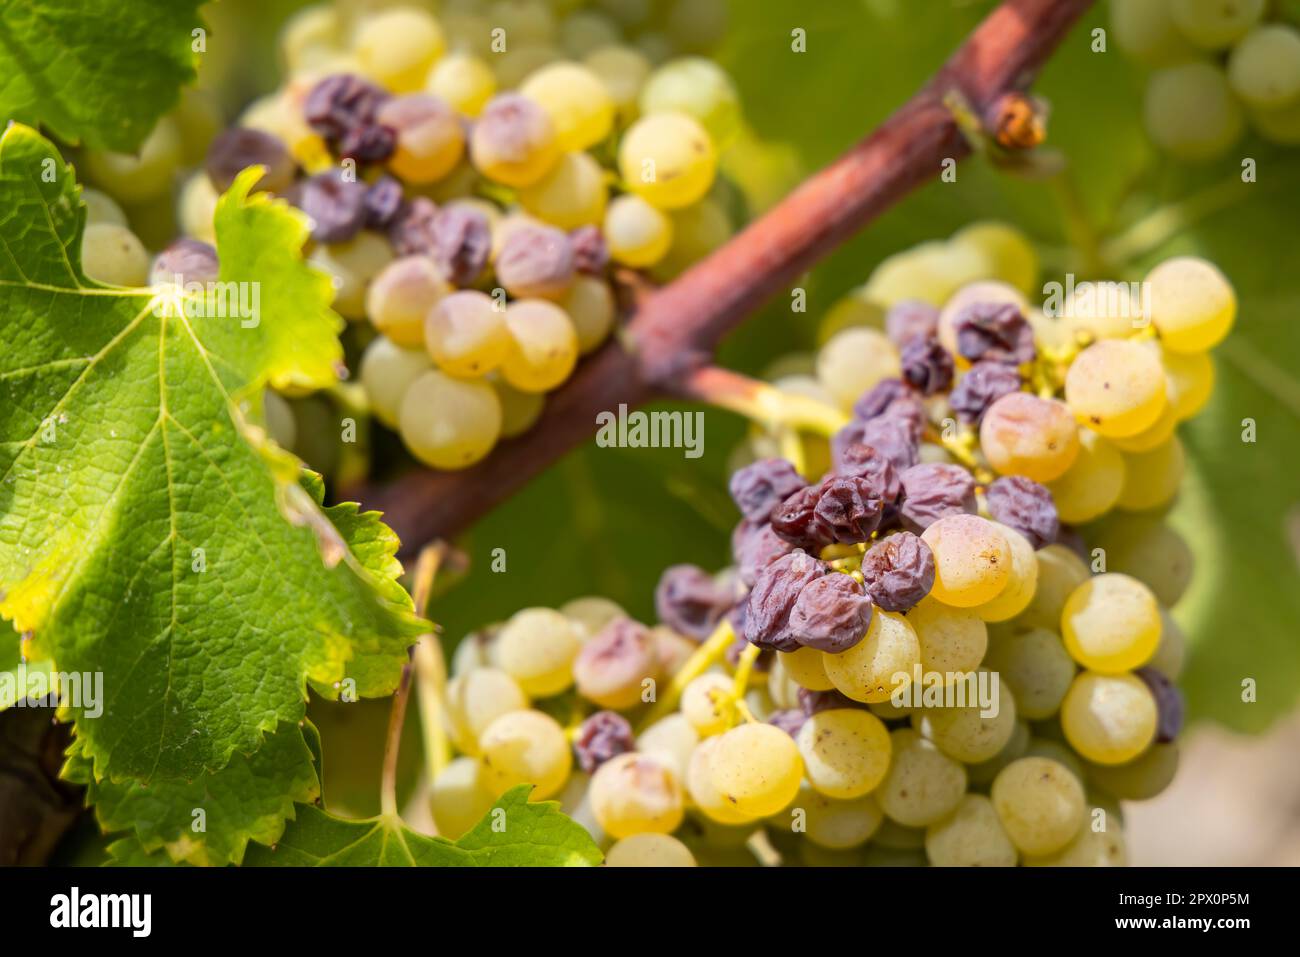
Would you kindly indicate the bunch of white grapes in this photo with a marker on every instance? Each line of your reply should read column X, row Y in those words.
column 474, row 172
column 1217, row 65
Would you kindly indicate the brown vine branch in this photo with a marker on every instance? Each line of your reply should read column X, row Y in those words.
column 675, row 329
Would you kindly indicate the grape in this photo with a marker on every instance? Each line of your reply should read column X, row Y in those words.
column 387, row 371
column 672, row 739
column 238, row 148
column 1141, row 779
column 909, row 319
column 972, row 559
column 697, row 24
column 576, row 100
column 697, row 231
column 1190, row 377
column 637, row 233
column 1022, row 581
column 845, row 752
column 459, row 797
column 934, row 491
column 806, row 667
column 1146, row 32
column 1010, row 254
column 590, row 307
column 1278, row 126
column 636, row 794
column 1040, row 804
column 612, row 666
column 524, row 20
column 1102, row 310
column 310, row 38
column 464, row 81
column 544, row 346
column 898, row 571
column 649, row 850
column 1056, row 751
column 572, row 194
column 847, row 509
column 930, row 272
column 474, row 700
column 1111, row 623
column 585, row 31
column 1190, row 112
column 521, row 61
column 1108, row 719
column 519, row 410
column 449, row 423
column 668, row 160
column 855, row 360
column 141, row 176
column 1215, row 24
column 600, row 738
column 1060, row 571
column 985, row 292
column 1025, row 506
column 690, row 601
column 335, row 204
column 1192, row 304
column 396, row 47
column 475, row 650
column 465, row 333
column 102, row 208
column 966, row 734
column 706, row 703
column 114, row 255
column 526, row 747
column 994, row 330
column 1088, row 849
column 461, row 241
column 982, row 773
column 536, row 261
column 352, row 265
column 923, row 785
column 1037, row 668
column 1091, row 486
column 623, row 70
column 953, row 640
column 1264, row 68
column 1116, row 387
column 591, row 613
column 971, row 836
column 756, row 768
column 280, row 423
column 402, row 295
column 674, row 649
column 837, row 824
column 537, row 648
column 926, row 365
column 1151, row 551
column 1151, row 479
column 698, row 88
column 1171, row 651
column 699, row 784
column 430, row 138
column 880, row 664
column 1022, row 434
column 514, row 141
column 982, row 385
column 383, row 202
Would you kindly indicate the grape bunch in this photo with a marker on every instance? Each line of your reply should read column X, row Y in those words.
column 472, row 180
column 1217, row 66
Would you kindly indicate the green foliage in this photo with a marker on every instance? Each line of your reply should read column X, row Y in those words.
column 149, row 531
column 95, row 71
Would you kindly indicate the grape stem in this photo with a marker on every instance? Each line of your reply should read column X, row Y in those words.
column 675, row 329
column 761, row 402
column 701, row 660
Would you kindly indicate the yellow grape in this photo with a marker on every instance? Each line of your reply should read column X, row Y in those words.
column 706, row 704
column 430, row 136
column 845, row 751
column 396, row 47
column 514, row 141
column 1115, row 387
column 1060, row 571
column 881, row 663
column 805, row 666
column 1192, row 304
column 1111, row 623
column 1172, row 650
column 636, row 233
column 1009, row 252
column 1191, row 113
column 971, row 836
column 972, row 560
column 953, row 640
column 1092, row 484
column 649, row 850
column 1037, row 668
column 465, row 333
column 636, row 794
column 932, row 272
column 1215, row 24
column 519, row 410
column 114, row 255
column 1141, row 779
column 837, row 824
column 463, row 80
column 1089, row 848
column 623, row 70
column 399, row 298
column 590, row 305
column 459, row 797
column 704, row 795
column 967, row 734
column 699, row 88
column 525, row 747
column 672, row 739
column 143, row 175
column 544, row 346
column 923, row 785
column 853, row 361
column 537, row 647
column 474, row 700
column 1191, row 380
column 352, row 266
column 572, row 194
column 1040, row 804
column 449, row 423
column 757, row 768
column 1021, row 583
column 1022, row 434
column 196, row 207
column 1108, row 719
column 667, row 159
column 387, row 371
column 576, row 100
column 1152, row 479
column 698, row 230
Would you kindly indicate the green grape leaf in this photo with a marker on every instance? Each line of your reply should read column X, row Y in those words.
column 515, row 833
column 249, row 799
column 96, row 71
column 148, row 530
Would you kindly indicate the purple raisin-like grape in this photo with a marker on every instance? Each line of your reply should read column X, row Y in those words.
column 935, row 490
column 186, row 260
column 369, row 143
column 690, row 602
column 927, row 366
column 336, row 204
column 849, row 508
column 754, row 546
column 790, row 720
column 384, row 201
column 772, row 599
column 604, row 735
column 590, row 251
column 894, row 440
column 831, row 614
column 1169, row 704
column 411, row 231
column 911, row 319
column 462, row 242
column 1026, row 506
column 898, row 571
column 536, row 261
column 795, row 520
column 995, row 331
column 864, row 462
column 815, row 702
column 240, row 147
column 340, row 103
column 878, row 398
column 760, row 487
column 980, row 387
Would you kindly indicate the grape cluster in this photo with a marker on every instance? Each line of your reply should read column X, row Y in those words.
column 1217, row 65
column 472, row 180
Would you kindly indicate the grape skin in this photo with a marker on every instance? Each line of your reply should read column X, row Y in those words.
column 1264, row 68
column 854, row 361
column 430, row 138
column 698, row 88
column 1152, row 479
column 1092, row 485
column 1108, row 719
column 923, row 785
column 672, row 740
column 590, row 306
column 965, row 734
column 838, row 824
column 708, row 799
column 880, row 664
column 636, row 794
column 526, row 747
column 637, row 233
column 399, row 298
column 572, row 194
column 544, row 346
column 1193, row 305
column 972, row 836
column 1116, row 387
column 1022, row 434
column 514, row 141
column 576, row 100
column 537, row 647
column 1215, row 24
column 1140, row 779
column 459, row 797
column 1037, row 668
column 396, row 47
column 757, row 768
column 845, row 752
column 449, row 423
column 1111, row 623
column 1040, row 804
column 465, row 81
column 704, row 703
column 649, row 850
column 1060, row 571
column 1190, row 112
column 972, row 560
column 667, row 159
column 1021, row 583
column 465, row 333
column 113, row 255
column 952, row 640
column 474, row 700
